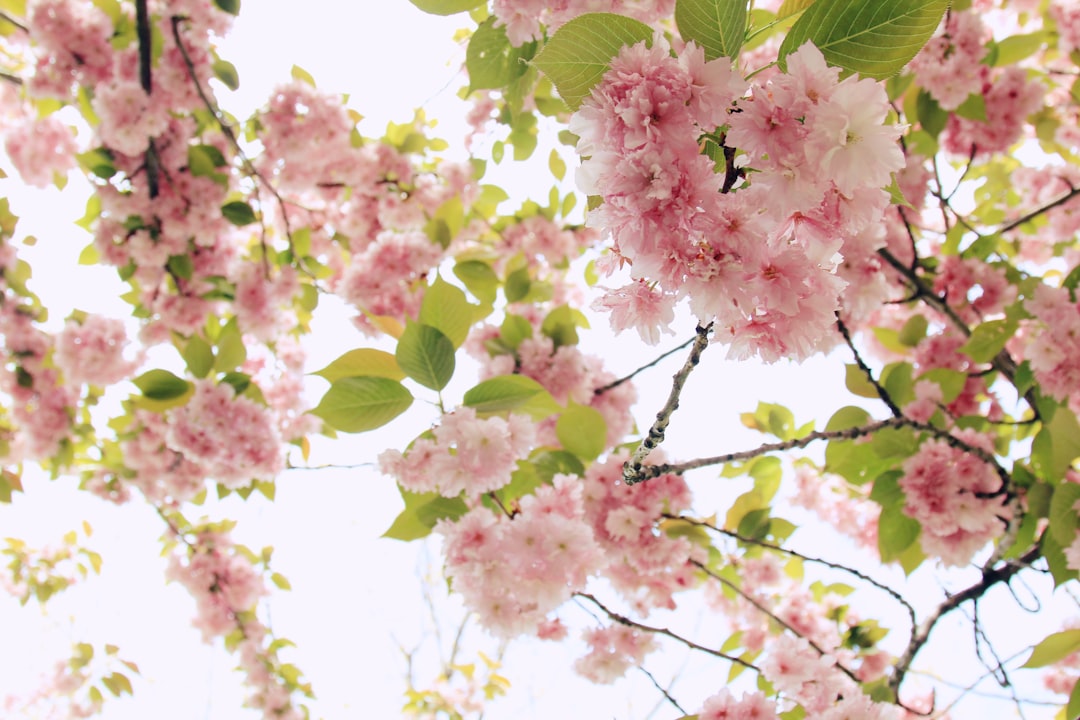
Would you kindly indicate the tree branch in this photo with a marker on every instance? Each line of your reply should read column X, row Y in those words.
column 808, row 558
column 881, row 391
column 8, row 18
column 146, row 47
column 623, row 620
column 663, row 690
column 773, row 616
column 1012, row 225
column 632, row 470
column 616, row 383
column 648, row 472
column 990, row 578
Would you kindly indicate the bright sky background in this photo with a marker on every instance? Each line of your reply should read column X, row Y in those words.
column 356, row 597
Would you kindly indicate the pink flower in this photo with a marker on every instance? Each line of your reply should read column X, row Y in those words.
column 644, row 308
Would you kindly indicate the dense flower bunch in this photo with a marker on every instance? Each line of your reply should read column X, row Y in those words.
column 759, row 260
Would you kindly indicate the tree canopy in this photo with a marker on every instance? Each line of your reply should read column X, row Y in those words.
column 891, row 184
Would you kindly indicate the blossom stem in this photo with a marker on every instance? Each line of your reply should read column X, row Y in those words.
column 633, row 471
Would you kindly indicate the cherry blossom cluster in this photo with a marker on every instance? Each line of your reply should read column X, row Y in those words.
column 566, row 372
column 956, row 496
column 812, row 680
column 645, row 566
column 42, row 406
column 226, row 587
column 514, row 571
column 465, row 454
column 523, row 18
column 760, row 261
column 613, row 650
column 725, row 706
column 843, row 507
column 1052, row 343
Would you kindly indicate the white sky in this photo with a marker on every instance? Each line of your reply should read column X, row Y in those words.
column 355, row 597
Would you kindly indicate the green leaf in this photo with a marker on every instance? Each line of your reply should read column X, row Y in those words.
column 718, row 26
column 583, row 431
column 239, row 213
column 914, row 330
column 931, row 115
column 161, row 385
column 509, row 392
column 514, row 329
column 974, row 108
column 204, row 160
column 1056, row 445
column 873, row 38
column 847, row 417
column 231, row 351
column 363, row 362
column 561, row 325
column 479, row 279
column 1073, row 708
column 951, row 382
column 578, row 55
column 280, row 581
column 1053, row 648
column 792, row 7
column 517, row 285
column 225, row 71
column 426, row 355
column 558, row 167
column 230, row 6
column 445, row 308
column 988, row 339
column 857, row 383
column 199, row 356
column 492, row 62
column 446, row 7
column 1013, row 49
column 1062, row 513
column 422, row 511
column 359, row 404
column 299, row 73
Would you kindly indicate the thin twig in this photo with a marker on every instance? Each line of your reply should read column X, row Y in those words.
column 802, row 556
column 922, row 635
column 773, row 616
column 616, row 383
column 227, row 130
column 1036, row 213
column 623, row 620
column 881, row 391
column 15, row 80
column 632, row 470
column 663, row 691
column 651, row 471
column 13, row 21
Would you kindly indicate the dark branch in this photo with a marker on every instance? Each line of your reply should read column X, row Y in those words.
column 881, row 391
column 616, row 383
column 802, row 556
column 990, row 578
column 623, row 620
column 632, row 470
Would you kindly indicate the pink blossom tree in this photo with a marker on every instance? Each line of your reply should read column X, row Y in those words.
column 891, row 183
